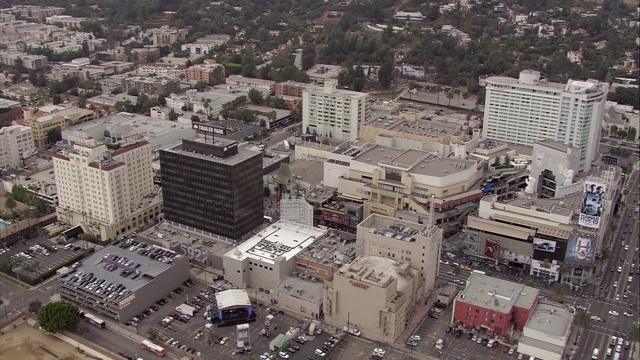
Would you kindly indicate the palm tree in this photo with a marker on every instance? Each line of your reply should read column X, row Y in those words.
column 559, row 292
column 634, row 337
column 581, row 320
column 606, row 254
column 563, row 271
column 10, row 203
column 457, row 270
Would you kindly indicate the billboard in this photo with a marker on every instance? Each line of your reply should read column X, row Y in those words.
column 544, row 245
column 218, row 130
column 491, row 247
column 581, row 249
column 592, row 204
column 336, row 217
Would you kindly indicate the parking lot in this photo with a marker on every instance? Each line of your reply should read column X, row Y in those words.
column 33, row 259
column 218, row 342
column 431, row 329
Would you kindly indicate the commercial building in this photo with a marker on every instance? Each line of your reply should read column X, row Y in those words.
column 16, row 144
column 109, row 193
column 547, row 331
column 269, row 256
column 268, row 86
column 529, row 109
column 403, row 183
column 212, row 186
column 391, row 289
column 290, row 88
column 523, row 232
column 32, row 62
column 206, row 44
column 409, row 16
column 553, row 168
column 497, row 305
column 417, row 244
column 320, row 74
column 10, row 111
column 149, row 85
column 101, row 286
column 334, row 113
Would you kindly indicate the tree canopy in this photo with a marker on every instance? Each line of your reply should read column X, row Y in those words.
column 58, row 315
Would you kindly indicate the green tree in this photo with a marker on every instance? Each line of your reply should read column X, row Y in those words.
column 200, row 86
column 606, row 254
column 546, row 263
column 632, row 135
column 559, row 292
column 255, row 96
column 58, row 315
column 634, row 337
column 35, row 306
column 172, row 115
column 152, row 334
column 457, row 270
column 530, row 283
column 133, row 92
column 195, row 118
column 54, row 135
column 82, row 101
column 357, row 84
column 56, row 99
column 10, row 203
column 582, row 320
column 385, row 73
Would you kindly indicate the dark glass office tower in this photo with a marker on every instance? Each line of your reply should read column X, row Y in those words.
column 212, row 187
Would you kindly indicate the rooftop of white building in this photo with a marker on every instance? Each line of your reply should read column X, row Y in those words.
column 554, row 320
column 338, row 248
column 425, row 125
column 497, row 294
column 377, row 271
column 309, row 288
column 280, row 239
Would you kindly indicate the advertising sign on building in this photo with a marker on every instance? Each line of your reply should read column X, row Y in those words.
column 218, row 130
column 491, row 248
column 592, row 204
column 581, row 249
column 126, row 300
column 544, row 245
column 335, row 217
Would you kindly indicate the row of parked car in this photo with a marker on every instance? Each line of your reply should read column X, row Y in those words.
column 89, row 282
column 151, row 251
column 176, row 344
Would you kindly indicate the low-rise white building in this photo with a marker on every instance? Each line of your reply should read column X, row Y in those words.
column 269, row 256
column 546, row 332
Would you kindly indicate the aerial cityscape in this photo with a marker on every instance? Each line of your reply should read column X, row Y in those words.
column 338, row 179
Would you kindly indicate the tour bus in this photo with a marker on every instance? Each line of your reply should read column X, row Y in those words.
column 93, row 320
column 148, row 345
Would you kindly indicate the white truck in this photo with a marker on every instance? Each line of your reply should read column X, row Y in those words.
column 186, row 310
column 439, row 344
column 352, row 331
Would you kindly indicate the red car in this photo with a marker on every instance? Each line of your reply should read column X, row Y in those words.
column 495, row 344
column 505, row 350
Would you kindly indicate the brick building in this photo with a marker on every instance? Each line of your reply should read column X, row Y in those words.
column 497, row 305
column 209, row 72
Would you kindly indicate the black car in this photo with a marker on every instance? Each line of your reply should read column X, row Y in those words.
column 449, row 328
column 459, row 333
column 469, row 336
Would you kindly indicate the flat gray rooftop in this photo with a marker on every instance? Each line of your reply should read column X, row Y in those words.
column 338, row 248
column 303, row 289
column 421, row 127
column 242, row 155
column 497, row 294
column 550, row 319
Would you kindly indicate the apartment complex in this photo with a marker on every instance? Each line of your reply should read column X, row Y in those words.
column 31, row 62
column 149, row 85
column 529, row 108
column 334, row 113
column 401, row 240
column 268, row 86
column 16, row 143
column 110, row 193
column 209, row 72
column 212, row 187
column 497, row 305
column 290, row 88
column 391, row 289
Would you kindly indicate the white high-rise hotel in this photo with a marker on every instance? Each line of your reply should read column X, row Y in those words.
column 331, row 112
column 111, row 193
column 524, row 110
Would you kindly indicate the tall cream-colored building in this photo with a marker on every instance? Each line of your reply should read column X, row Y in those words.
column 16, row 142
column 334, row 113
column 391, row 289
column 110, row 193
column 419, row 245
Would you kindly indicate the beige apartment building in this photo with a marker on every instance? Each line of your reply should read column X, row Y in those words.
column 205, row 72
column 393, row 179
column 401, row 240
column 109, row 193
column 391, row 289
column 53, row 117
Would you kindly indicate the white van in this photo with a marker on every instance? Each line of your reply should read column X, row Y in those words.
column 68, row 246
column 595, row 354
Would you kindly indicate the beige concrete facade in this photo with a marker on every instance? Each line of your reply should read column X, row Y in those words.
column 392, row 290
column 16, row 142
column 109, row 193
column 403, row 240
column 406, row 179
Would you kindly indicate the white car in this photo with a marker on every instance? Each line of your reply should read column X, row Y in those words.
column 617, row 297
column 626, row 247
column 379, row 352
column 320, row 352
column 614, row 313
column 416, row 337
column 615, row 284
column 620, row 341
column 627, row 313
column 283, row 355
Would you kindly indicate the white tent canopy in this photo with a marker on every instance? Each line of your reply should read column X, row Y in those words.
column 230, row 299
